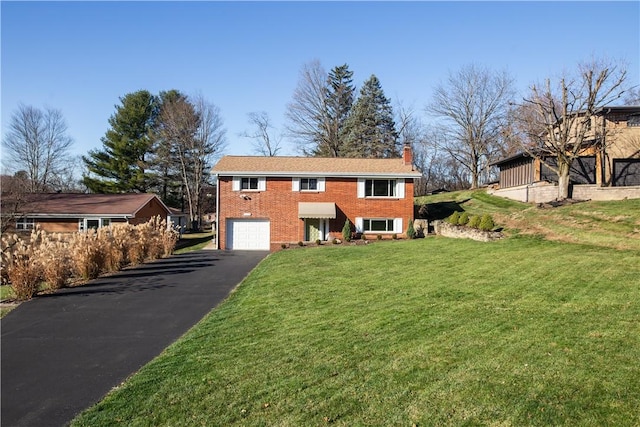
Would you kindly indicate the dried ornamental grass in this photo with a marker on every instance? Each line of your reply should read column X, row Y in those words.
column 22, row 271
column 88, row 254
column 54, row 256
column 120, row 240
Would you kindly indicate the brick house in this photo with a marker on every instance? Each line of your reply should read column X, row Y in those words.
column 612, row 163
column 264, row 202
column 72, row 212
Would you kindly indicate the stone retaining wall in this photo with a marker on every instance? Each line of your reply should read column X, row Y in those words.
column 461, row 232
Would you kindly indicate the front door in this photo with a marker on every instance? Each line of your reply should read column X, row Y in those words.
column 312, row 229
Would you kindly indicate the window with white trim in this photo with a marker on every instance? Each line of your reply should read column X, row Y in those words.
column 95, row 223
column 369, row 225
column 248, row 183
column 379, row 225
column 308, row 184
column 380, row 188
column 25, row 223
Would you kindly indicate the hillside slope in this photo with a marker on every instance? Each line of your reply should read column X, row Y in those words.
column 614, row 224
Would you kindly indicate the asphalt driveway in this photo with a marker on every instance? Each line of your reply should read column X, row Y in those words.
column 62, row 353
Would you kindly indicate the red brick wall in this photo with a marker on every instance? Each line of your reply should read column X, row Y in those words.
column 279, row 204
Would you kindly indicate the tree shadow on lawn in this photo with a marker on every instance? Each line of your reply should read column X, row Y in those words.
column 440, row 210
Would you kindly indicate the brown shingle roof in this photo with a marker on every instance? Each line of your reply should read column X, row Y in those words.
column 288, row 166
column 69, row 204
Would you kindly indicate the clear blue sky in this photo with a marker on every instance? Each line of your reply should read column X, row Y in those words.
column 81, row 57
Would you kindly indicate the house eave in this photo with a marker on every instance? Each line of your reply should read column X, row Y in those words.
column 285, row 174
column 75, row 216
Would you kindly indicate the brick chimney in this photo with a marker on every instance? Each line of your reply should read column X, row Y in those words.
column 407, row 155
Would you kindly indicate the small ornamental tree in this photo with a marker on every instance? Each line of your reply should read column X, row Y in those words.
column 346, row 231
column 453, row 219
column 411, row 232
column 486, row 223
column 474, row 222
column 464, row 219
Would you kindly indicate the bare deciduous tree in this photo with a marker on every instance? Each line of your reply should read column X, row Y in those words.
column 308, row 122
column 565, row 111
column 264, row 143
column 37, row 142
column 194, row 130
column 473, row 103
column 632, row 96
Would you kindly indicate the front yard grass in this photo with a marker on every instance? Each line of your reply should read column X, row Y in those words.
column 426, row 332
column 192, row 242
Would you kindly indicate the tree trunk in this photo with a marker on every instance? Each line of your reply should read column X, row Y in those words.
column 563, row 179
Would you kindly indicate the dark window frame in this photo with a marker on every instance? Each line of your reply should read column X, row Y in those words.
column 380, row 187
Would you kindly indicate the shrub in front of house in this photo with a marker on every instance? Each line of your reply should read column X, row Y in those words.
column 379, row 237
column 463, row 219
column 346, row 231
column 474, row 221
column 454, row 218
column 411, row 232
column 318, row 242
column 486, row 223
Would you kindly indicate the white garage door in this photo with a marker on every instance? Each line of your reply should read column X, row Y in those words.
column 248, row 234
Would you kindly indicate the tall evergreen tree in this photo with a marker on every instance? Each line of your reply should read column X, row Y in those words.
column 338, row 102
column 370, row 130
column 122, row 165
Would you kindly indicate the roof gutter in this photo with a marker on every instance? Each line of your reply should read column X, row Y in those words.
column 285, row 174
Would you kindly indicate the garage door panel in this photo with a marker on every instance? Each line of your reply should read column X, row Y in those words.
column 243, row 234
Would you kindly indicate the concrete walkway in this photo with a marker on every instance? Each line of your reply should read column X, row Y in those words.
column 62, row 353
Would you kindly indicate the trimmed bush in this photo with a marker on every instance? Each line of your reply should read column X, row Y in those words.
column 300, row 243
column 411, row 232
column 463, row 219
column 394, row 236
column 346, row 231
column 318, row 242
column 335, row 241
column 454, row 218
column 486, row 223
column 283, row 246
column 379, row 237
column 474, row 222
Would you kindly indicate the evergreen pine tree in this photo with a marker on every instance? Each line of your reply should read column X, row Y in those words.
column 370, row 129
column 122, row 164
column 338, row 102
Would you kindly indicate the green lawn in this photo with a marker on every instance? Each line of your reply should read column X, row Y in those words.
column 613, row 224
column 193, row 242
column 427, row 332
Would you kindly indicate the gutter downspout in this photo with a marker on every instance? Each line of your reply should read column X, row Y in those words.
column 217, row 212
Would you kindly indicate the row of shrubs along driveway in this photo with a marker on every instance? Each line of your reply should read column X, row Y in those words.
column 63, row 352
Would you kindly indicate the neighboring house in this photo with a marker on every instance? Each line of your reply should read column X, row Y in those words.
column 264, row 202
column 72, row 212
column 614, row 161
column 179, row 219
